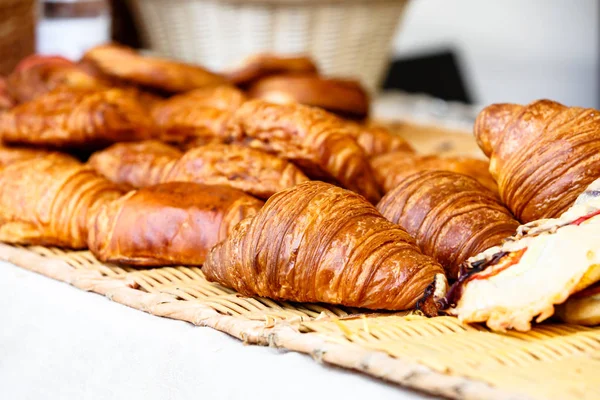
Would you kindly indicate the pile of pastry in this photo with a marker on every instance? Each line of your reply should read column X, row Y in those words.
column 272, row 179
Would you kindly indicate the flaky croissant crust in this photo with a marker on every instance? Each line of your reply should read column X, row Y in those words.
column 543, row 155
column 451, row 215
column 317, row 242
column 49, row 201
column 390, row 169
column 313, row 139
column 252, row 171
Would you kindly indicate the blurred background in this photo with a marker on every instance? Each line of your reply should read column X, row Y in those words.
column 469, row 51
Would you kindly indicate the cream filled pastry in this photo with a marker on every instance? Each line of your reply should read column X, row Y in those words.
column 508, row 286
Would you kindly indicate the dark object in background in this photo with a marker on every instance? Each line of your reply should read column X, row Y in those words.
column 124, row 30
column 17, row 19
column 438, row 75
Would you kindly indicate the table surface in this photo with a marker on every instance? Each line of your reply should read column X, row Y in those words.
column 58, row 342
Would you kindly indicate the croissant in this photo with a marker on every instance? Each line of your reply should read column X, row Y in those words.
column 148, row 163
column 198, row 117
column 261, row 65
column 48, row 202
column 313, row 139
column 543, row 155
column 252, row 171
column 451, row 216
column 317, row 242
column 167, row 224
column 126, row 64
column 390, row 169
column 137, row 164
column 346, row 98
column 37, row 75
column 76, row 119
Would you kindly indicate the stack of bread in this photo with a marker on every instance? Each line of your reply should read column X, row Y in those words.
column 273, row 179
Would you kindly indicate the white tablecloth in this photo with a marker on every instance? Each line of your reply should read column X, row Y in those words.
column 58, row 342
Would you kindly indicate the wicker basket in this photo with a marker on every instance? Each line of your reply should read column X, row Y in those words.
column 347, row 38
column 17, row 32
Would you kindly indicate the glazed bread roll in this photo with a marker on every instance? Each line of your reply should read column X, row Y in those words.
column 345, row 98
column 48, row 202
column 313, row 139
column 167, row 224
column 317, row 242
column 452, row 216
column 261, row 65
column 543, row 155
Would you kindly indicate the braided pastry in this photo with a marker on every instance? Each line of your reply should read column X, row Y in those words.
column 317, row 242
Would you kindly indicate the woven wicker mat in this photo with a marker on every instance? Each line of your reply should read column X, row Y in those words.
column 437, row 355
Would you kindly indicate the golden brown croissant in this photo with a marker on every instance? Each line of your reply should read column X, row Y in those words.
column 198, row 117
column 126, row 64
column 37, row 75
column 543, row 155
column 317, row 242
column 49, row 201
column 390, row 169
column 451, row 215
column 253, row 171
column 148, row 163
column 76, row 119
column 168, row 224
column 346, row 98
column 137, row 164
column 261, row 65
column 315, row 140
